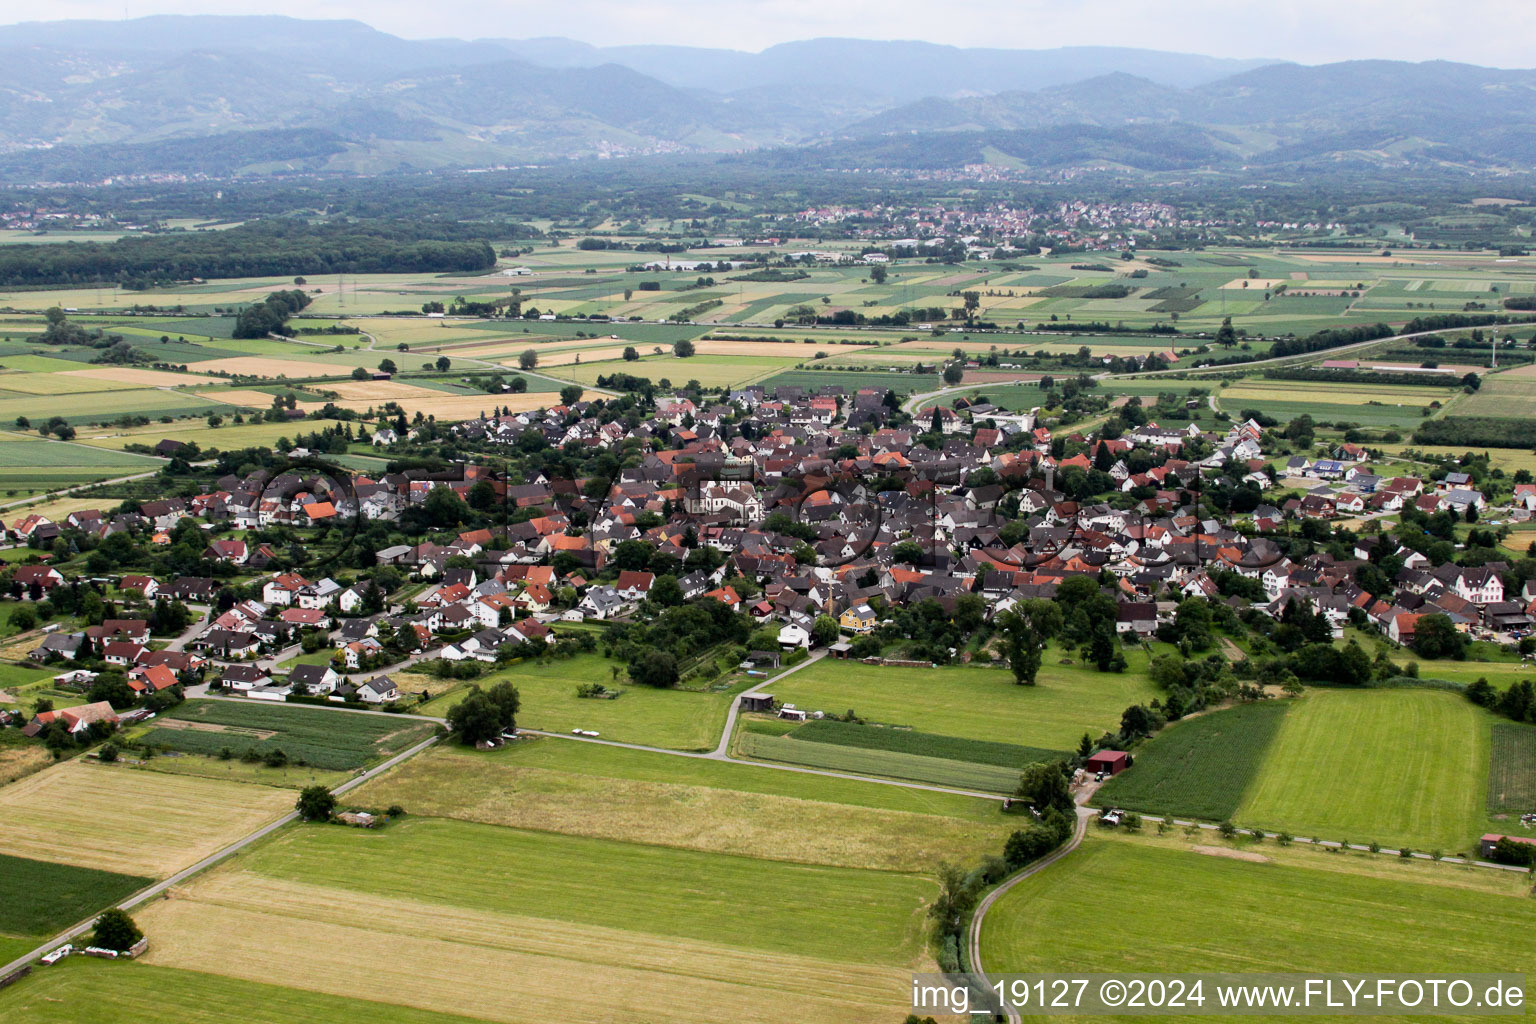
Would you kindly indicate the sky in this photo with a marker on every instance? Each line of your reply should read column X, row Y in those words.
column 1489, row 32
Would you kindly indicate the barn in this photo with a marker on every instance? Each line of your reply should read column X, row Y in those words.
column 762, row 702
column 1485, row 846
column 1110, row 762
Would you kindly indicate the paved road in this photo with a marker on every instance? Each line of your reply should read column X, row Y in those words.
column 973, row 936
column 721, row 749
column 159, row 888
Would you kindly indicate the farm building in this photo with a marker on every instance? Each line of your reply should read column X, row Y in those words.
column 1110, row 762
column 757, row 702
column 1486, row 844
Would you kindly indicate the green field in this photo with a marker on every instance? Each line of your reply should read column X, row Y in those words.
column 1393, row 765
column 1199, row 767
column 908, row 741
column 677, row 718
column 1176, row 909
column 893, row 764
column 1512, row 768
column 321, row 737
column 82, row 990
column 42, row 898
column 977, row 703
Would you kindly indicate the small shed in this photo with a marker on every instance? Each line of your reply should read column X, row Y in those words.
column 841, row 649
column 757, row 702
column 1110, row 762
column 1488, row 842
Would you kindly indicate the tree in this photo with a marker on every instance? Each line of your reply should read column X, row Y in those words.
column 656, row 668
column 1043, row 785
column 683, row 348
column 116, row 930
column 475, row 719
column 358, row 373
column 824, row 631
column 665, row 591
column 388, row 366
column 630, row 355
column 112, row 688
column 1226, row 337
column 315, row 803
column 1435, row 636
column 443, row 362
column 1026, row 628
column 506, row 700
column 954, row 372
column 528, row 360
column 877, row 275
column 571, row 394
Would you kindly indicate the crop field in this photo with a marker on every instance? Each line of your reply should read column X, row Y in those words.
column 106, row 406
column 84, row 990
column 324, row 738
column 748, row 939
column 1396, row 766
column 677, row 718
column 711, row 371
column 845, row 734
column 1510, row 393
column 77, row 811
column 43, row 897
column 1512, row 768
column 1199, row 767
column 363, row 395
column 977, row 703
column 1304, row 912
column 229, row 437
column 715, row 807
column 967, row 775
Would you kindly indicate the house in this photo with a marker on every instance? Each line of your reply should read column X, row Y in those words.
column 233, row 551
column 792, row 636
column 318, row 679
column 378, row 690
column 124, row 652
column 42, row 577
column 152, row 679
column 305, row 618
column 242, row 678
column 147, row 586
column 1110, row 762
column 861, row 618
column 600, row 603
column 65, row 645
column 633, row 586
column 1136, row 617
column 76, row 720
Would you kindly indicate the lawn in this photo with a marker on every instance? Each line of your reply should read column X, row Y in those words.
column 679, row 719
column 118, row 818
column 1396, row 766
column 725, row 808
column 497, row 922
column 329, row 739
column 42, row 898
column 83, row 990
column 1199, row 767
column 1178, row 910
column 977, row 703
column 1512, row 768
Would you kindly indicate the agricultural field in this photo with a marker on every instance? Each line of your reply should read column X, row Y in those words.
column 1219, row 908
column 229, row 437
column 977, row 703
column 1398, row 766
column 75, row 811
column 1199, row 767
column 964, row 775
column 712, row 806
column 1512, row 769
column 333, row 740
column 43, row 897
column 749, row 939
column 678, row 718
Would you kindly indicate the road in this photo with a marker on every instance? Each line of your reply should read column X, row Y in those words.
column 159, row 888
column 973, row 934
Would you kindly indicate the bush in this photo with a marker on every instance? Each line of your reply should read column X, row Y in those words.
column 116, row 930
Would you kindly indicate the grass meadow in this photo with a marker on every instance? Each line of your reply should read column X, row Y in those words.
column 1399, row 766
column 1297, row 910
column 977, row 703
column 524, row 918
column 709, row 806
column 677, row 718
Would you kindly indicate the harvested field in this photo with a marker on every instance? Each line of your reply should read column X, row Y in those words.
column 696, row 817
column 125, row 820
column 19, row 762
column 494, row 966
column 252, row 399
column 50, row 384
column 361, row 395
column 136, row 376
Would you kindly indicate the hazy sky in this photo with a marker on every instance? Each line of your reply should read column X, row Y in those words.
column 1495, row 32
